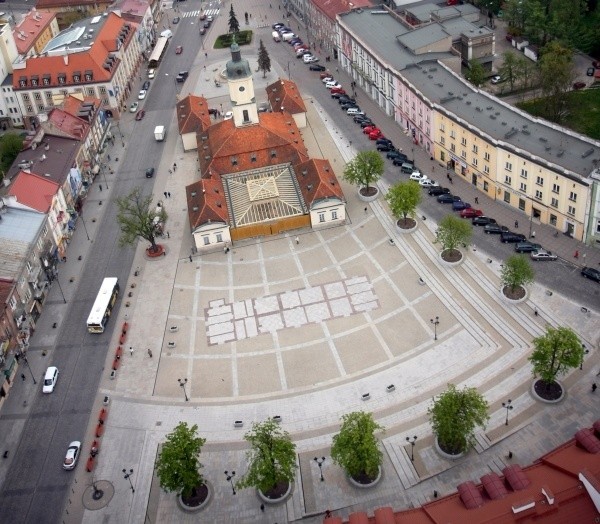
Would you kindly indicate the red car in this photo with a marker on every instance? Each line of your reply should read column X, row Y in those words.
column 140, row 114
column 338, row 90
column 369, row 129
column 375, row 135
column 179, row 50
column 471, row 213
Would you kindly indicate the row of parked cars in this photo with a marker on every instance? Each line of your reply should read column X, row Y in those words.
column 301, row 49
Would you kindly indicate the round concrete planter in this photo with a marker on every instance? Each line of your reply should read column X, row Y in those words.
column 368, row 198
column 372, row 484
column 442, row 453
column 190, row 509
column 281, row 499
column 407, row 230
column 546, row 401
column 452, row 264
column 514, row 301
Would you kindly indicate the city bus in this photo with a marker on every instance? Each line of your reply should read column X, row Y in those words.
column 102, row 308
column 158, row 52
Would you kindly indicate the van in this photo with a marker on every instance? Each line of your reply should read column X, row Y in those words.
column 407, row 167
column 276, row 36
column 287, row 36
column 50, row 379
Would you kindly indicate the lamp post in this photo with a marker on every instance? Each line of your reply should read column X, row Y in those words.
column 127, row 476
column 60, row 288
column 583, row 354
column 85, row 228
column 319, row 462
column 229, row 476
column 411, row 441
column 289, row 74
column 29, row 367
column 507, row 406
column 182, row 383
column 98, row 493
column 102, row 166
column 435, row 323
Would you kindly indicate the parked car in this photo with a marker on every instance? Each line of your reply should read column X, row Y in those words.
column 470, row 212
column 275, row 26
column 591, row 273
column 397, row 155
column 150, row 172
column 203, row 30
column 316, row 67
column 427, row 183
column 400, row 160
column 384, row 147
column 368, row 129
column 417, row 176
column 326, row 78
column 590, row 71
column 526, row 247
column 72, row 455
column 344, row 99
column 333, row 85
column 206, row 24
column 326, row 74
column 496, row 79
column 507, row 237
column 460, row 205
column 338, row 90
column 345, row 104
column 176, row 20
column 182, row 76
column 179, row 50
column 447, row 198
column 494, row 229
column 367, row 123
column 578, row 85
column 374, row 135
column 438, row 190
column 483, row 221
column 146, row 85
column 309, row 59
column 336, row 95
column 133, row 107
column 50, row 379
column 541, row 255
column 140, row 114
column 302, row 52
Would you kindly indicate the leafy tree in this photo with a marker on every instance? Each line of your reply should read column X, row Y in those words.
column 510, row 69
column 366, row 168
column 178, row 465
column 264, row 61
column 516, row 272
column 454, row 415
column 271, row 458
column 404, row 198
column 555, row 352
column 556, row 75
column 139, row 219
column 476, row 73
column 355, row 448
column 234, row 25
column 453, row 232
column 10, row 146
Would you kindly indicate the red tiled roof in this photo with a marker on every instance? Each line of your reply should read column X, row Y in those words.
column 135, row 8
column 317, row 181
column 192, row 114
column 284, row 93
column 27, row 31
column 33, row 191
column 334, row 7
column 92, row 60
column 67, row 124
column 73, row 4
column 202, row 199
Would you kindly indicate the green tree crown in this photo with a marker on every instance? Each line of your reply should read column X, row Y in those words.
column 366, row 168
column 234, row 25
column 355, row 448
column 178, row 465
column 516, row 272
column 139, row 218
column 264, row 61
column 10, row 146
column 454, row 415
column 453, row 232
column 271, row 457
column 476, row 73
column 555, row 352
column 404, row 198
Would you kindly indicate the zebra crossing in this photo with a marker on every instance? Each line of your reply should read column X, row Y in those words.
column 194, row 14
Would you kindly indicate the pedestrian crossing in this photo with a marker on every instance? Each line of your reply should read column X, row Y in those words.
column 194, row 14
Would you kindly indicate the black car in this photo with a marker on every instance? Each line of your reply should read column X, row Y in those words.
column 150, row 172
column 207, row 24
column 401, row 159
column 483, row 221
column 146, row 85
column 591, row 273
column 361, row 118
column 384, row 141
column 590, row 71
column 494, row 229
column 317, row 67
column 397, row 154
column 367, row 123
column 346, row 98
column 384, row 147
column 447, row 198
column 438, row 190
column 510, row 237
column 336, row 95
column 526, row 247
column 347, row 105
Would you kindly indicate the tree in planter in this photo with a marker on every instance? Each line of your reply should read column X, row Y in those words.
column 234, row 25
column 271, row 458
column 355, row 448
column 516, row 273
column 264, row 61
column 366, row 168
column 138, row 218
column 403, row 199
column 454, row 415
column 178, row 465
column 554, row 353
column 452, row 233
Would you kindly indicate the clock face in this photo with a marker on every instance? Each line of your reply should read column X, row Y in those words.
column 242, row 88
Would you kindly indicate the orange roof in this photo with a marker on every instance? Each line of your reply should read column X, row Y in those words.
column 66, row 124
column 334, row 7
column 92, row 61
column 27, row 31
column 317, row 181
column 203, row 199
column 284, row 93
column 72, row 4
column 192, row 114
column 33, row 191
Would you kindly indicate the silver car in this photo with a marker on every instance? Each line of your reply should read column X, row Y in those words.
column 542, row 254
column 72, row 455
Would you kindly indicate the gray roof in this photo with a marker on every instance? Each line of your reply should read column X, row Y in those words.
column 77, row 37
column 19, row 228
column 503, row 123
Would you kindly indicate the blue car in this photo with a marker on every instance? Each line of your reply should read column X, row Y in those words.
column 460, row 205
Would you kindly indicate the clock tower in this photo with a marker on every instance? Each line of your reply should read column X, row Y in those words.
column 241, row 89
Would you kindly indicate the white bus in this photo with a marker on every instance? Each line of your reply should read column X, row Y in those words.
column 105, row 301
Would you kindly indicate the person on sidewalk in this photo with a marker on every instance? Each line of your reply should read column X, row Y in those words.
column 594, row 387
column 516, row 224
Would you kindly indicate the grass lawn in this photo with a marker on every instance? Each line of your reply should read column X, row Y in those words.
column 583, row 115
column 242, row 38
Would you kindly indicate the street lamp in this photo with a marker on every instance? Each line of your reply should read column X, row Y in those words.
column 29, row 367
column 85, row 228
column 127, row 476
column 507, row 406
column 182, row 383
column 98, row 493
column 289, row 74
column 319, row 462
column 583, row 354
column 229, row 476
column 412, row 441
column 435, row 323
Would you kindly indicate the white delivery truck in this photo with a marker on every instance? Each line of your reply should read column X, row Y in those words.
column 159, row 133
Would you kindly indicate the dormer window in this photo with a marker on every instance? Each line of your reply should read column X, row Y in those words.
column 23, row 81
column 46, row 80
column 35, row 80
column 253, row 157
column 77, row 76
column 89, row 76
column 234, row 160
column 273, row 153
column 62, row 78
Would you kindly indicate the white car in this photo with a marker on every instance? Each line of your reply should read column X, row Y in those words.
column 354, row 111
column 496, row 79
column 425, row 182
column 151, row 73
column 542, row 254
column 335, row 85
column 133, row 107
column 72, row 455
column 228, row 115
column 327, row 79
column 142, row 94
column 50, row 379
column 416, row 175
column 310, row 59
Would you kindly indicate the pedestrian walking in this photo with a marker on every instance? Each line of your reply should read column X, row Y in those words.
column 100, row 187
column 205, row 56
column 190, row 258
column 366, row 210
column 297, row 240
column 131, row 350
column 576, row 254
column 594, row 387
column 447, row 175
column 516, row 224
column 168, row 194
column 262, row 507
column 168, row 235
column 477, row 200
column 23, row 377
column 450, row 180
column 533, row 234
column 174, row 166
column 108, row 156
column 149, row 352
column 535, row 312
column 165, row 193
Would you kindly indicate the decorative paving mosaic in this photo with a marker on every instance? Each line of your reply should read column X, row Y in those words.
column 291, row 309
